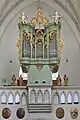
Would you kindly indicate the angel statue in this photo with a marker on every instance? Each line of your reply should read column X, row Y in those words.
column 56, row 17
column 23, row 18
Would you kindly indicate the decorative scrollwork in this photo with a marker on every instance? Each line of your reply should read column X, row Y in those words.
column 39, row 66
column 20, row 113
column 19, row 48
column 60, row 46
column 26, row 35
column 39, row 35
column 6, row 113
column 52, row 35
column 40, row 19
column 60, row 113
column 74, row 113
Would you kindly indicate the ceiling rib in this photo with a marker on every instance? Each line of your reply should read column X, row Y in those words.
column 74, row 10
column 4, row 7
column 9, row 11
column 69, row 13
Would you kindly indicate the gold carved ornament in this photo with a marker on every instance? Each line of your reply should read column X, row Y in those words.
column 40, row 19
column 39, row 34
column 52, row 34
column 26, row 35
column 60, row 46
column 74, row 113
column 60, row 113
column 19, row 48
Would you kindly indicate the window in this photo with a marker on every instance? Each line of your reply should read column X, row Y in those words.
column 32, row 96
column 76, row 98
column 63, row 101
column 69, row 98
column 39, row 96
column 56, row 98
column 17, row 98
column 3, row 98
column 23, row 99
column 10, row 98
column 46, row 96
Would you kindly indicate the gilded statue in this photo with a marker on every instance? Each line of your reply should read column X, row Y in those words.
column 60, row 46
column 40, row 19
column 65, row 80
column 58, row 79
column 19, row 48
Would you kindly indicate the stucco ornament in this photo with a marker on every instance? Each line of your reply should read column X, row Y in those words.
column 60, row 112
column 74, row 113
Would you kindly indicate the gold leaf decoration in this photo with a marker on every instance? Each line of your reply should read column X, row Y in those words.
column 19, row 48
column 60, row 46
column 40, row 19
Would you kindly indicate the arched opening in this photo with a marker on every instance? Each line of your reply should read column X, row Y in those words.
column 63, row 99
column 36, row 81
column 43, row 81
column 76, row 98
column 39, row 97
column 46, row 96
column 3, row 98
column 69, row 98
column 56, row 99
column 32, row 96
column 17, row 98
column 10, row 99
column 23, row 99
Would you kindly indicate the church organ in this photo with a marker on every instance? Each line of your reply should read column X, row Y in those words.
column 39, row 50
column 39, row 40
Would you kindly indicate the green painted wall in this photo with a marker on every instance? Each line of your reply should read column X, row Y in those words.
column 43, row 75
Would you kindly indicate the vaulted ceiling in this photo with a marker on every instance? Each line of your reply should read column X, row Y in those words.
column 10, row 8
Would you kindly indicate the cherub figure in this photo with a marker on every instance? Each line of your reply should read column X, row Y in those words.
column 56, row 17
column 23, row 18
